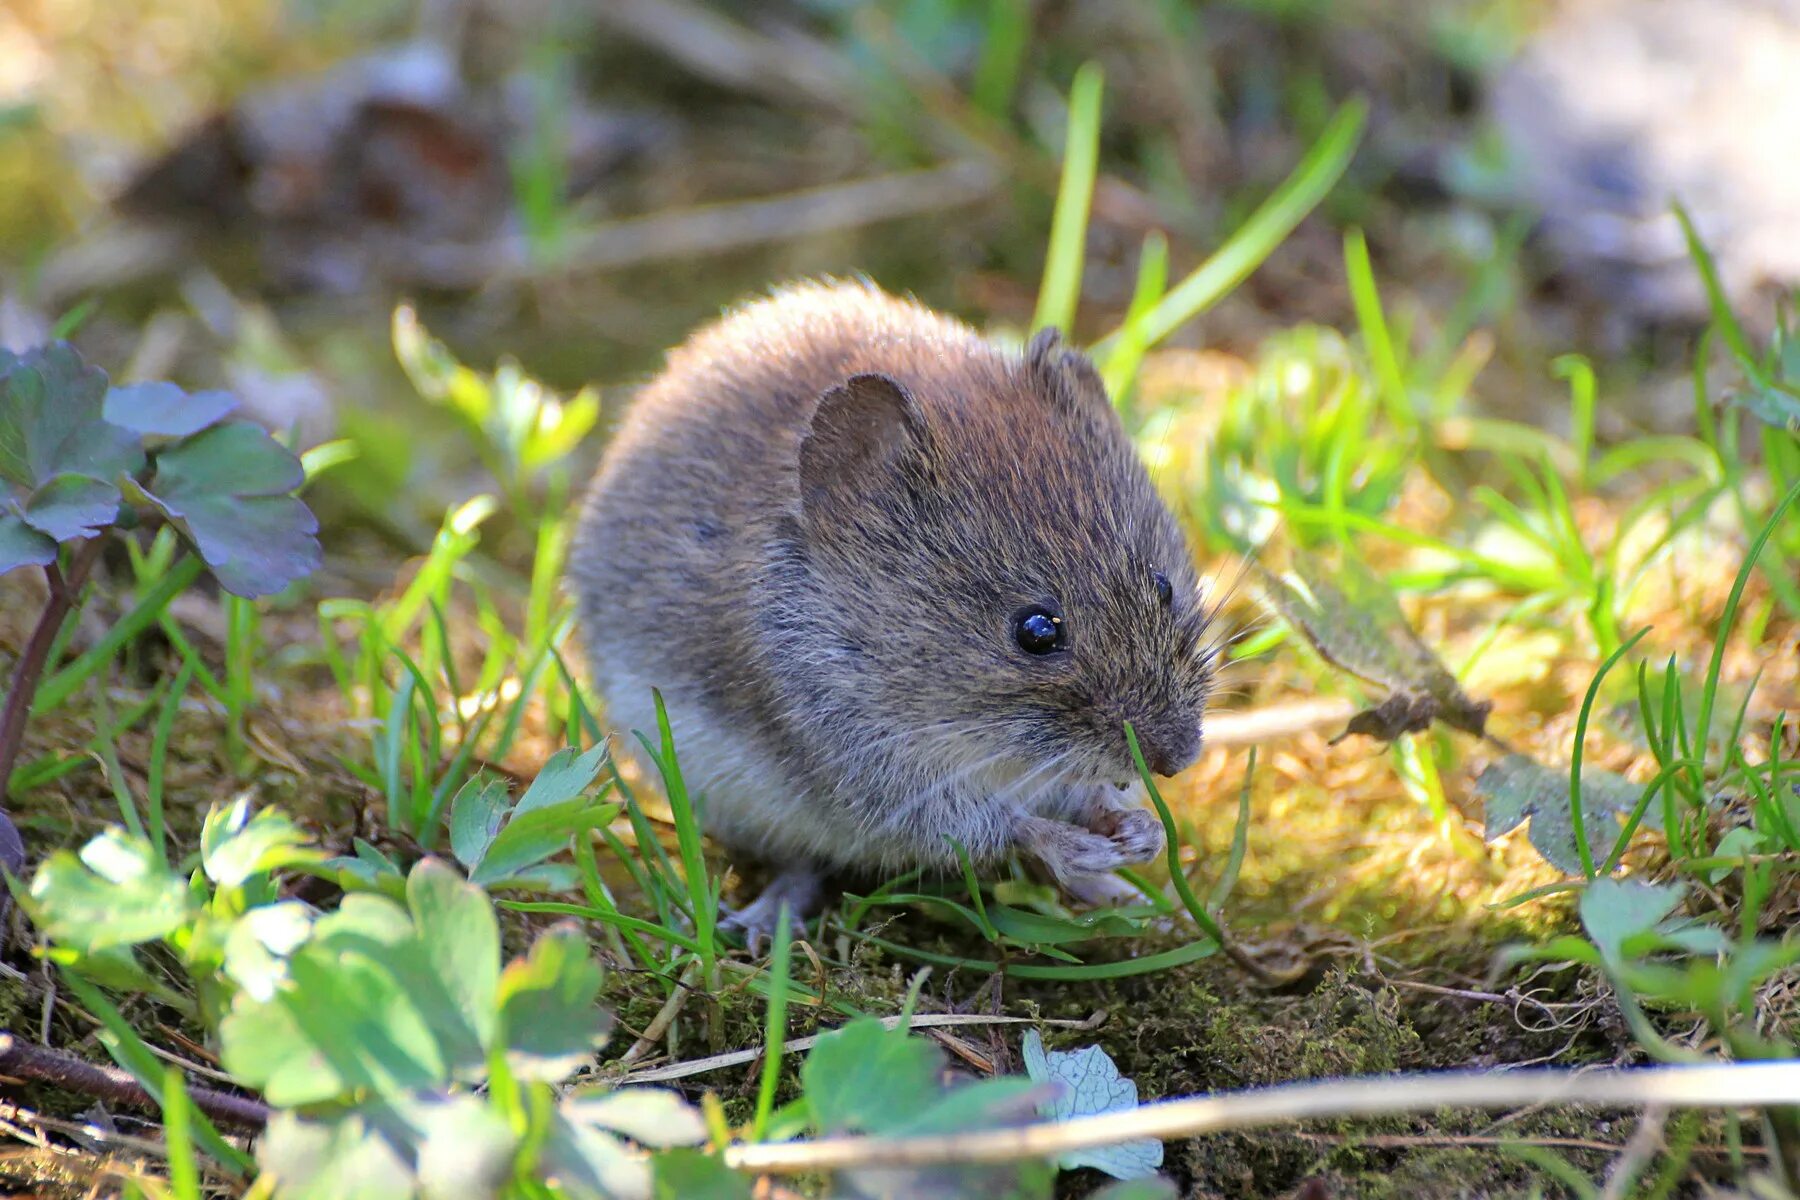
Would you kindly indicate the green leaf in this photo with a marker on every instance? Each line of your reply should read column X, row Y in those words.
column 23, row 546
column 69, row 507
column 1353, row 620
column 691, row 1175
column 465, row 1151
column 532, row 837
column 261, row 942
column 476, row 814
column 233, row 850
column 653, row 1117
column 458, row 943
column 1090, row 1083
column 51, row 420
column 225, row 489
column 1517, row 788
column 1614, row 909
column 548, row 1012
column 567, row 775
column 342, row 1159
column 164, row 410
column 115, row 893
column 235, row 459
column 866, row 1078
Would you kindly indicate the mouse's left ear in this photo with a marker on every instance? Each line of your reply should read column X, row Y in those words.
column 864, row 432
column 1066, row 374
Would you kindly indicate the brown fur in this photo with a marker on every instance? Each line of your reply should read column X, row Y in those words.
column 812, row 532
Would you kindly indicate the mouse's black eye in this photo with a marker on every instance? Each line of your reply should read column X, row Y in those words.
column 1038, row 631
column 1165, row 591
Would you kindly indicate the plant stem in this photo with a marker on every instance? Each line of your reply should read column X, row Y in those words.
column 64, row 591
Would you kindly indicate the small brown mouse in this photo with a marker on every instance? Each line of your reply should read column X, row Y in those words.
column 898, row 585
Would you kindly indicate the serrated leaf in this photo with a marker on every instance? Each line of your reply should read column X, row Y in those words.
column 342, row 1159
column 1352, row 619
column 476, row 814
column 23, row 546
column 653, row 1117
column 164, row 410
column 866, row 1078
column 1517, row 788
column 691, row 1175
column 69, row 507
column 225, row 489
column 115, row 893
column 530, row 838
column 548, row 1011
column 1090, row 1083
column 566, row 775
column 51, row 420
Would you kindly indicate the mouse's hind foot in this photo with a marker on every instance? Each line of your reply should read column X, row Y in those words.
column 798, row 889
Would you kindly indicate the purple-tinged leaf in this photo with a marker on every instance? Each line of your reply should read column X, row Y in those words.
column 72, row 506
column 51, row 422
column 163, row 410
column 23, row 546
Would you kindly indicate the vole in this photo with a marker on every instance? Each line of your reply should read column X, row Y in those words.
column 898, row 585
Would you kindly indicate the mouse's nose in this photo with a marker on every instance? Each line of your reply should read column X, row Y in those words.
column 1169, row 747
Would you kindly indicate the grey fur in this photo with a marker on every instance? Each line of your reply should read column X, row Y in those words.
column 812, row 531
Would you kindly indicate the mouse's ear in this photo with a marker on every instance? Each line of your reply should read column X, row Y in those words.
column 864, row 429
column 1065, row 373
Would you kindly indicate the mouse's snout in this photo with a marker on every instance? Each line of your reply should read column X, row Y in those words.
column 1170, row 746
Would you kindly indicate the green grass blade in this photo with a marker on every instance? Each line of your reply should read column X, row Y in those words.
column 775, row 1032
column 1378, row 342
column 1577, row 817
column 1257, row 238
column 1061, row 288
column 57, row 689
column 1177, row 876
column 159, row 761
column 178, row 1136
column 1120, row 367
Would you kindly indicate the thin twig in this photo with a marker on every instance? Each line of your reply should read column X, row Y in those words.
column 25, row 1060
column 1258, row 725
column 1730, row 1085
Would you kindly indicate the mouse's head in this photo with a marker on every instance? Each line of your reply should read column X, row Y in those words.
column 994, row 574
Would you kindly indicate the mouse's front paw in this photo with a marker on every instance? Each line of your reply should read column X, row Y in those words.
column 1068, row 851
column 1138, row 834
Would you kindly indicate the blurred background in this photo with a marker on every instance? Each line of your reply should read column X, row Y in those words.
column 239, row 191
